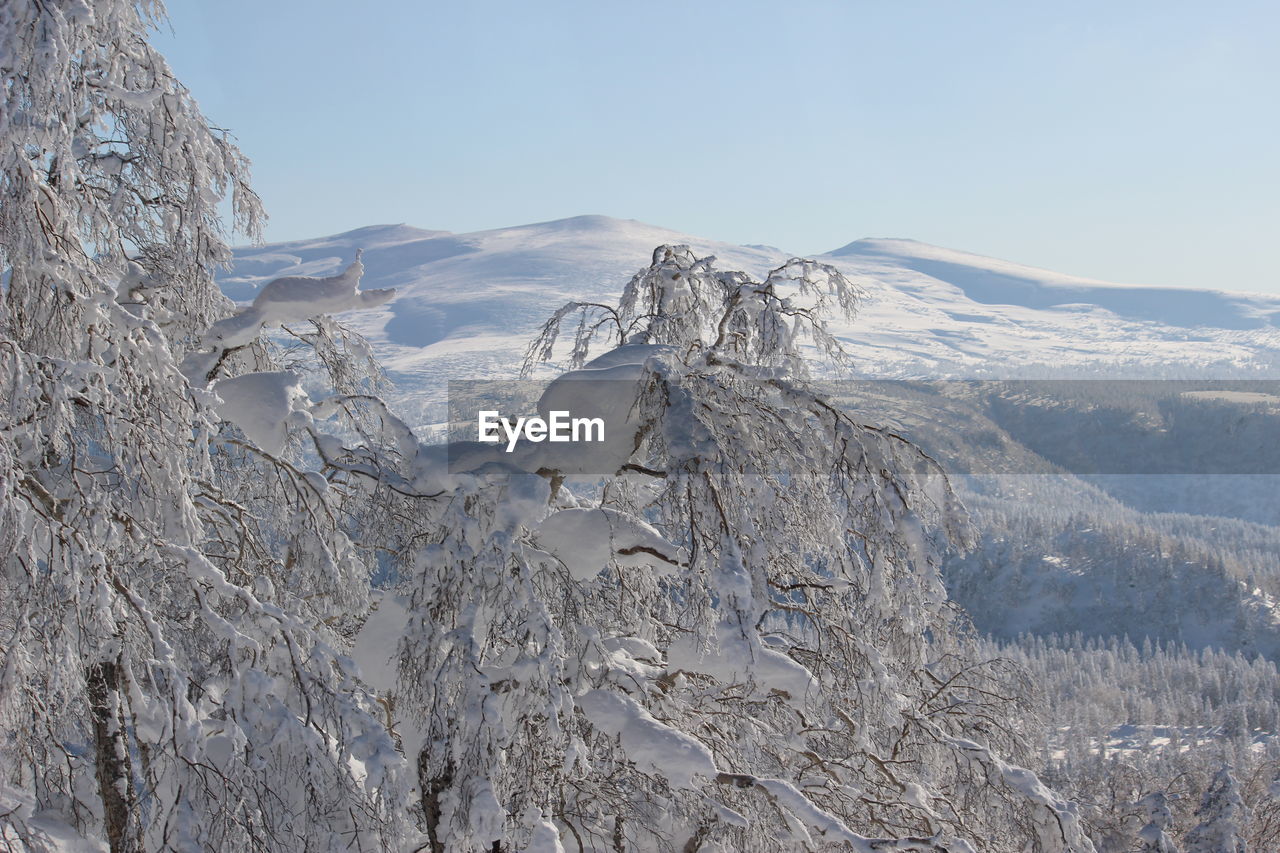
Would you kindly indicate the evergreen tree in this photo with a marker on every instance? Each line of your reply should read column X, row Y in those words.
column 1222, row 815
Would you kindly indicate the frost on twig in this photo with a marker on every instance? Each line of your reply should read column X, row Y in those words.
column 682, row 301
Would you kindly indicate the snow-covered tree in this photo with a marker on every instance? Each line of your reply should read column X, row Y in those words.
column 176, row 578
column 739, row 640
column 1154, row 810
column 1222, row 815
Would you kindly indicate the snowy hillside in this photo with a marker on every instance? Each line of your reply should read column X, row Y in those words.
column 940, row 312
column 469, row 303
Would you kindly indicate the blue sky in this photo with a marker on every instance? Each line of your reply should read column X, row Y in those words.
column 1132, row 141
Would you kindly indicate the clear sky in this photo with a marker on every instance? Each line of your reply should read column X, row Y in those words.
column 1129, row 140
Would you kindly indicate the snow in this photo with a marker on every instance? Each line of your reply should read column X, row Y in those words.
column 1058, row 821
column 291, row 298
column 989, row 281
column 827, row 825
column 49, row 831
column 608, row 393
column 1131, row 741
column 299, row 297
column 634, row 354
column 468, row 304
column 546, row 838
column 736, row 659
column 1222, row 816
column 1241, row 397
column 928, row 310
column 374, row 650
column 260, row 404
column 653, row 746
column 586, row 540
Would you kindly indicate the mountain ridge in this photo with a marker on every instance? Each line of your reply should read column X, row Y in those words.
column 467, row 304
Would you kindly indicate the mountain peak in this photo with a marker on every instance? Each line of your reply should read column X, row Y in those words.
column 594, row 223
column 585, row 222
column 365, row 237
column 380, row 235
column 877, row 245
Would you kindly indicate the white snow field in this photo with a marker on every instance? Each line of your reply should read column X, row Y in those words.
column 466, row 306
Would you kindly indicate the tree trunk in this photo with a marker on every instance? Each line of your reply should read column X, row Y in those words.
column 432, row 787
column 111, row 757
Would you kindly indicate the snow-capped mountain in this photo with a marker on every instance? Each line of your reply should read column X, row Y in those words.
column 467, row 305
column 941, row 312
column 1056, row 553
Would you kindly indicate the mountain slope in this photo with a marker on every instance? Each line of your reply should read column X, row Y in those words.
column 468, row 304
column 994, row 282
column 1057, row 552
column 936, row 312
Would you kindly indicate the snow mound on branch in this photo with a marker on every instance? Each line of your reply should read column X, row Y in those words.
column 608, row 393
column 295, row 298
column 635, row 355
column 736, row 659
column 653, row 746
column 586, row 540
column 606, row 387
column 546, row 838
column 47, row 831
column 261, row 404
column 299, row 297
column 374, row 651
column 828, row 826
column 525, row 502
